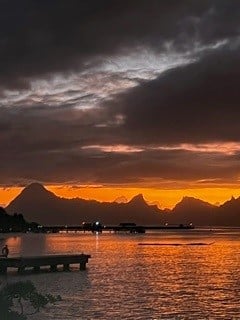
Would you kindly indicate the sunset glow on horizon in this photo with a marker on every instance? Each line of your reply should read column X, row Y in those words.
column 113, row 100
column 120, row 153
column 163, row 198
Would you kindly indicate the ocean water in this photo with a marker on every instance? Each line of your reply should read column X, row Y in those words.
column 128, row 277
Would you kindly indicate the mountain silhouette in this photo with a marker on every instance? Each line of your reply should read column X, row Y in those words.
column 192, row 203
column 38, row 204
column 35, row 201
column 232, row 204
column 13, row 223
column 35, row 192
column 232, row 209
column 138, row 200
column 192, row 210
column 121, row 199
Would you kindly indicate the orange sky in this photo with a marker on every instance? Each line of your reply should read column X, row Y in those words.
column 164, row 197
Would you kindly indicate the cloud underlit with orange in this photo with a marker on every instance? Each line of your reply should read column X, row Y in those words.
column 139, row 97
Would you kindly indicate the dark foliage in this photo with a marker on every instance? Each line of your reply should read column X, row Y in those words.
column 20, row 299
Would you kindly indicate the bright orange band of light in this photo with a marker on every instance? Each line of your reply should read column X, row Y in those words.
column 165, row 198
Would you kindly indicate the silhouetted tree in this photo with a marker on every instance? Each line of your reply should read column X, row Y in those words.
column 21, row 299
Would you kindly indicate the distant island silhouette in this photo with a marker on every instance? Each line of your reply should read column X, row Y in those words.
column 38, row 204
column 14, row 223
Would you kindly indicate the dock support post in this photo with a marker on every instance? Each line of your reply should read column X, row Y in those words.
column 53, row 268
column 3, row 269
column 36, row 269
column 51, row 262
column 82, row 266
column 21, row 269
column 66, row 267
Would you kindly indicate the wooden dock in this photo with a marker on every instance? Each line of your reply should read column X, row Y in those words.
column 52, row 261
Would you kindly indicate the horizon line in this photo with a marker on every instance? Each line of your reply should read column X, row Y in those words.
column 55, row 188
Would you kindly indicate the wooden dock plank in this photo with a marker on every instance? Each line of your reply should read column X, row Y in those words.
column 36, row 262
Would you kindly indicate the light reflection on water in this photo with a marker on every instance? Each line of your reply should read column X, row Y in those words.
column 125, row 280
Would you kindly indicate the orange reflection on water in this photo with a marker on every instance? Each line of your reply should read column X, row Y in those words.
column 14, row 244
column 63, row 243
column 171, row 282
column 212, row 269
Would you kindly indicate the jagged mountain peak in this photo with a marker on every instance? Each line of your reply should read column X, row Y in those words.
column 138, row 199
column 35, row 186
column 39, row 204
column 34, row 191
column 233, row 202
column 191, row 202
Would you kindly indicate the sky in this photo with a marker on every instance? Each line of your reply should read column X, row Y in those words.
column 101, row 99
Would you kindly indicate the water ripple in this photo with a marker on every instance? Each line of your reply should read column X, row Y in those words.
column 126, row 281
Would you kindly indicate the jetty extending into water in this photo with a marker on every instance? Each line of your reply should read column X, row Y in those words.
column 54, row 262
column 122, row 227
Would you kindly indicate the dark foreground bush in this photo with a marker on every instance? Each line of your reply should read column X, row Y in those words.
column 21, row 299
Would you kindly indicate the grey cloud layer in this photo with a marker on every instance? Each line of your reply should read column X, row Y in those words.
column 43, row 134
column 194, row 103
column 41, row 37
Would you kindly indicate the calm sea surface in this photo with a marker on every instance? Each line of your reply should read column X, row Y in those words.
column 125, row 280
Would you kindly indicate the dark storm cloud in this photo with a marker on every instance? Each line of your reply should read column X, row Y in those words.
column 45, row 143
column 46, row 135
column 194, row 103
column 38, row 38
column 36, row 147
